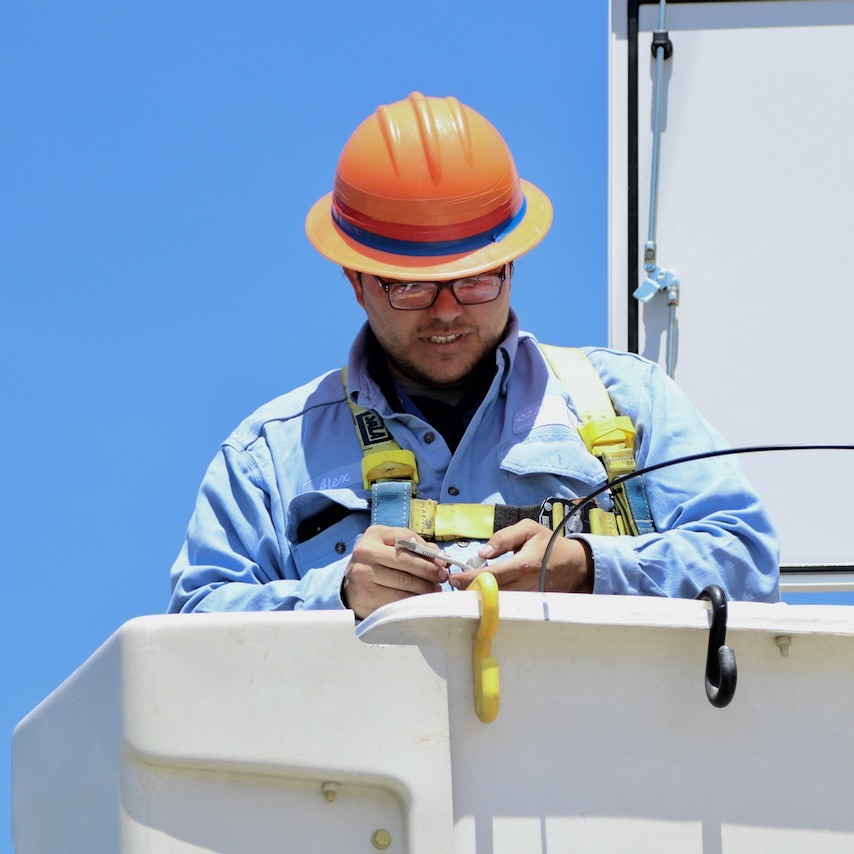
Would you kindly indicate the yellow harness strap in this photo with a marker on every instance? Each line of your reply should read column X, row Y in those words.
column 609, row 436
column 382, row 457
column 444, row 522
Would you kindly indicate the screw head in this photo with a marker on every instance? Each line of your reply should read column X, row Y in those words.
column 381, row 839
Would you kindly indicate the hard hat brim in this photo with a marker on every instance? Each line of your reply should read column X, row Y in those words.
column 328, row 239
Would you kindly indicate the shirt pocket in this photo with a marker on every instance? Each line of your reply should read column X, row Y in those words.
column 322, row 527
column 550, row 461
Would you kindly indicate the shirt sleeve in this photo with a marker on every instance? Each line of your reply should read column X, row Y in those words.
column 233, row 557
column 712, row 526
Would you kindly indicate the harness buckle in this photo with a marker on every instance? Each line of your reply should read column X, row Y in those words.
column 554, row 510
column 389, row 465
column 607, row 431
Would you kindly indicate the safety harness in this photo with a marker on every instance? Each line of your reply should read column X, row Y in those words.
column 391, row 473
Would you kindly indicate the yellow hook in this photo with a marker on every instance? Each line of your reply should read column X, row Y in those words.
column 487, row 690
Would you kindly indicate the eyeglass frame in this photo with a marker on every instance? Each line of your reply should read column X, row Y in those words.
column 448, row 284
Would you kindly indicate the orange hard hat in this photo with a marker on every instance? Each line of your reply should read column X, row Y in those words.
column 426, row 188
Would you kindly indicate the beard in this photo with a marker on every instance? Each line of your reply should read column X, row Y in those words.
column 442, row 372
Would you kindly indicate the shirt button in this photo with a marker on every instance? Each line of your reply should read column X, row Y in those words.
column 452, row 490
column 429, row 438
column 340, row 548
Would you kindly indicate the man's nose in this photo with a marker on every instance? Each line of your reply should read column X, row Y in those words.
column 446, row 306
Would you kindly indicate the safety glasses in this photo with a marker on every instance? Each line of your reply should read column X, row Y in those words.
column 472, row 290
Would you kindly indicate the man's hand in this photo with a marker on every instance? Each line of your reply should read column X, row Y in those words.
column 570, row 568
column 379, row 573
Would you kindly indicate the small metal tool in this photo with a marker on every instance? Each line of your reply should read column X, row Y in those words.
column 437, row 554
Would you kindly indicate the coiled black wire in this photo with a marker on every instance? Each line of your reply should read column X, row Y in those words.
column 724, row 452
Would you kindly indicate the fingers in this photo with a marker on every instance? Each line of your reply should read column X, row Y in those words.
column 527, row 541
column 380, row 573
column 569, row 570
column 377, row 546
column 510, row 577
column 511, row 539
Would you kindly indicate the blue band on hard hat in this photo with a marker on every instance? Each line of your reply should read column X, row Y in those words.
column 438, row 247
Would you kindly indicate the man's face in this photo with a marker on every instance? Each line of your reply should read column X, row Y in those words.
column 437, row 346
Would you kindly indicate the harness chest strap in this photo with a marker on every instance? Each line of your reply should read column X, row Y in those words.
column 391, row 473
column 392, row 504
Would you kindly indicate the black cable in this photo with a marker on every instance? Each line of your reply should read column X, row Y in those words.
column 725, row 452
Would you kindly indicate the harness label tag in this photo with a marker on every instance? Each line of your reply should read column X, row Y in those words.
column 372, row 431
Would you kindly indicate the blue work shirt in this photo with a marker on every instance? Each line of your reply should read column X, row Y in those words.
column 282, row 504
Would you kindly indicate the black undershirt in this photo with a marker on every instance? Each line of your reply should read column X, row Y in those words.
column 450, row 420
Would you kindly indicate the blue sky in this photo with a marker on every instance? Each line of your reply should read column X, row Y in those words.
column 157, row 161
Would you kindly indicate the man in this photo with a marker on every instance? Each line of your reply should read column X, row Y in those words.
column 458, row 416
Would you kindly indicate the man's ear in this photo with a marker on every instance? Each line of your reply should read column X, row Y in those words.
column 355, row 280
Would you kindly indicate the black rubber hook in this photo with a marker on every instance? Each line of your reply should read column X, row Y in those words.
column 721, row 673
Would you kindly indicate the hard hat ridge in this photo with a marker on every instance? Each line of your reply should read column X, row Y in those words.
column 428, row 131
column 424, row 187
